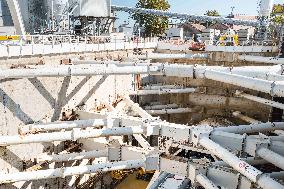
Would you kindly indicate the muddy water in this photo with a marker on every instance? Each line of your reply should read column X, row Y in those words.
column 132, row 183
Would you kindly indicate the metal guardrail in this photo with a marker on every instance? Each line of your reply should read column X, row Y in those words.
column 60, row 44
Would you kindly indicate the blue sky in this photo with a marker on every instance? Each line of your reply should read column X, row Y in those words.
column 248, row 7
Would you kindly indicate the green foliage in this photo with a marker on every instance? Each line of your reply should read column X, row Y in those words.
column 154, row 25
column 212, row 13
column 278, row 13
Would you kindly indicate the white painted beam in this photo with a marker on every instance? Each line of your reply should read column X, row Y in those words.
column 160, row 107
column 242, row 167
column 69, row 171
column 261, row 100
column 162, row 91
column 63, row 125
column 261, row 59
column 173, row 56
column 271, row 157
column 239, row 115
column 205, row 182
column 253, row 128
column 186, row 16
column 73, row 135
column 77, row 70
column 170, row 111
column 72, row 156
column 137, row 108
column 270, row 87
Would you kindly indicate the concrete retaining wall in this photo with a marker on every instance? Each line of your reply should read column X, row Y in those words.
column 24, row 101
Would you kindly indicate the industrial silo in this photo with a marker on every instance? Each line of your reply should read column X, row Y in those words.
column 5, row 14
column 265, row 8
column 34, row 13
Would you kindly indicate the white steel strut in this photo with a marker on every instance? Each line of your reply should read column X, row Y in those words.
column 186, row 16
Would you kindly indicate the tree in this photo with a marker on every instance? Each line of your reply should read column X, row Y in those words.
column 212, row 13
column 277, row 14
column 154, row 25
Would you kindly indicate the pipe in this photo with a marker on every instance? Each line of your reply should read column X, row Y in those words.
column 137, row 108
column 274, row 77
column 277, row 175
column 160, row 107
column 116, row 63
column 261, row 59
column 253, row 128
column 270, row 87
column 175, row 70
column 161, row 86
column 73, row 135
column 249, row 160
column 271, row 73
column 142, row 141
column 170, row 111
column 163, row 91
column 242, row 167
column 187, row 16
column 173, row 56
column 76, row 70
column 279, row 132
column 261, row 100
column 277, row 138
column 271, row 157
column 69, row 171
column 268, row 183
column 157, row 179
column 67, row 125
column 205, row 182
column 73, row 156
column 239, row 115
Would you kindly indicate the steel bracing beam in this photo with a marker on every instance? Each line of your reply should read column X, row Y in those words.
column 173, row 56
column 72, row 156
column 261, row 59
column 179, row 133
column 73, row 135
column 77, row 70
column 261, row 100
column 205, row 137
column 242, row 167
column 247, row 119
column 205, row 182
column 251, row 77
column 271, row 157
column 69, row 171
column 162, row 91
column 186, row 16
column 62, row 125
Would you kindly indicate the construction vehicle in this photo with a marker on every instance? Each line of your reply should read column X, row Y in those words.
column 197, row 46
column 228, row 40
column 119, row 175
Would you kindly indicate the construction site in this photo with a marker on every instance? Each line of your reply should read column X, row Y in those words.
column 84, row 105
